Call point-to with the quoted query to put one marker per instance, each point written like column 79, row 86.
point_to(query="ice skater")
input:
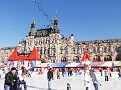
column 49, row 77
column 94, row 80
column 10, row 78
column 68, row 86
column 106, row 75
column 86, row 79
column 58, row 74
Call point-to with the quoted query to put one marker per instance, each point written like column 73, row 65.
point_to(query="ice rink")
column 39, row 82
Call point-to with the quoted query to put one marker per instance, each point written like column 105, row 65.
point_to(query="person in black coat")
column 10, row 78
column 49, row 77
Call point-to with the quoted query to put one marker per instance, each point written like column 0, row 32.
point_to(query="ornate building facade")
column 54, row 47
column 5, row 52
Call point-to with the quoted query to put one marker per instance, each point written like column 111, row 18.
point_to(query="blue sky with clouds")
column 86, row 19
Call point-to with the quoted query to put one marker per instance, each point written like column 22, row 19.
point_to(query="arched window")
column 48, row 51
column 76, row 59
column 94, row 50
column 39, row 42
column 77, row 51
column 118, row 57
column 53, row 50
column 45, row 50
column 37, row 48
column 35, row 42
column 63, row 59
column 97, row 58
column 109, row 49
column 82, row 50
column 61, row 50
column 98, row 49
column 30, row 42
column 47, row 41
column 108, row 58
column 41, row 51
column 74, row 51
column 105, row 49
column 65, row 50
column 28, row 50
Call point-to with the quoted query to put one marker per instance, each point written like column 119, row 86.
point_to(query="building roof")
column 14, row 55
column 85, row 56
column 32, row 56
column 43, row 32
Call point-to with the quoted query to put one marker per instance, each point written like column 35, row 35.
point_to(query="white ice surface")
column 39, row 82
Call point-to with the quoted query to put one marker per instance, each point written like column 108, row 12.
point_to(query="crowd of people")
column 89, row 76
column 14, row 80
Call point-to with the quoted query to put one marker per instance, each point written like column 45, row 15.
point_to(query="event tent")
column 110, row 64
column 2, row 65
column 86, row 56
column 32, row 56
column 20, row 60
column 118, row 64
column 96, row 64
column 60, row 64
column 14, row 55
column 44, row 65
column 73, row 64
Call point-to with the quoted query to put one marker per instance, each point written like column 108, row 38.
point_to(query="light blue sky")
column 86, row 19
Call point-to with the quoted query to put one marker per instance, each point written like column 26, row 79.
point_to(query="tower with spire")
column 55, row 26
column 32, row 28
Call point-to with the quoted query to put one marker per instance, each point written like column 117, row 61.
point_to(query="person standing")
column 86, row 79
column 94, row 80
column 63, row 70
column 119, row 72
column 10, row 78
column 49, row 77
column 0, row 73
column 58, row 74
column 106, row 75
column 22, row 80
column 100, row 69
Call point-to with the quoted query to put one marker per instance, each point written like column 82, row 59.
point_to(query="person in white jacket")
column 86, row 79
column 94, row 80
column 22, row 79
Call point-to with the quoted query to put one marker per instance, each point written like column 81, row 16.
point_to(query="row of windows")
column 39, row 42
column 97, row 58
column 93, row 50
column 74, row 51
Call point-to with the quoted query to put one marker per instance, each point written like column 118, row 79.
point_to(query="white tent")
column 44, row 65
column 74, row 64
column 109, row 63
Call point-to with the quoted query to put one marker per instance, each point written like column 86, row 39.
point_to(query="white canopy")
column 109, row 63
column 74, row 64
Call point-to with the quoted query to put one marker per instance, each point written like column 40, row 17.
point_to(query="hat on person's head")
column 13, row 68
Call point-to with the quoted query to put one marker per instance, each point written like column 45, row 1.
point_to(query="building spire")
column 55, row 25
column 32, row 28
column 56, row 20
column 33, row 23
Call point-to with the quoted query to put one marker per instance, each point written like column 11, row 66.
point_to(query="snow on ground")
column 39, row 82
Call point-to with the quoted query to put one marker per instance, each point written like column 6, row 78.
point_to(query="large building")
column 54, row 47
